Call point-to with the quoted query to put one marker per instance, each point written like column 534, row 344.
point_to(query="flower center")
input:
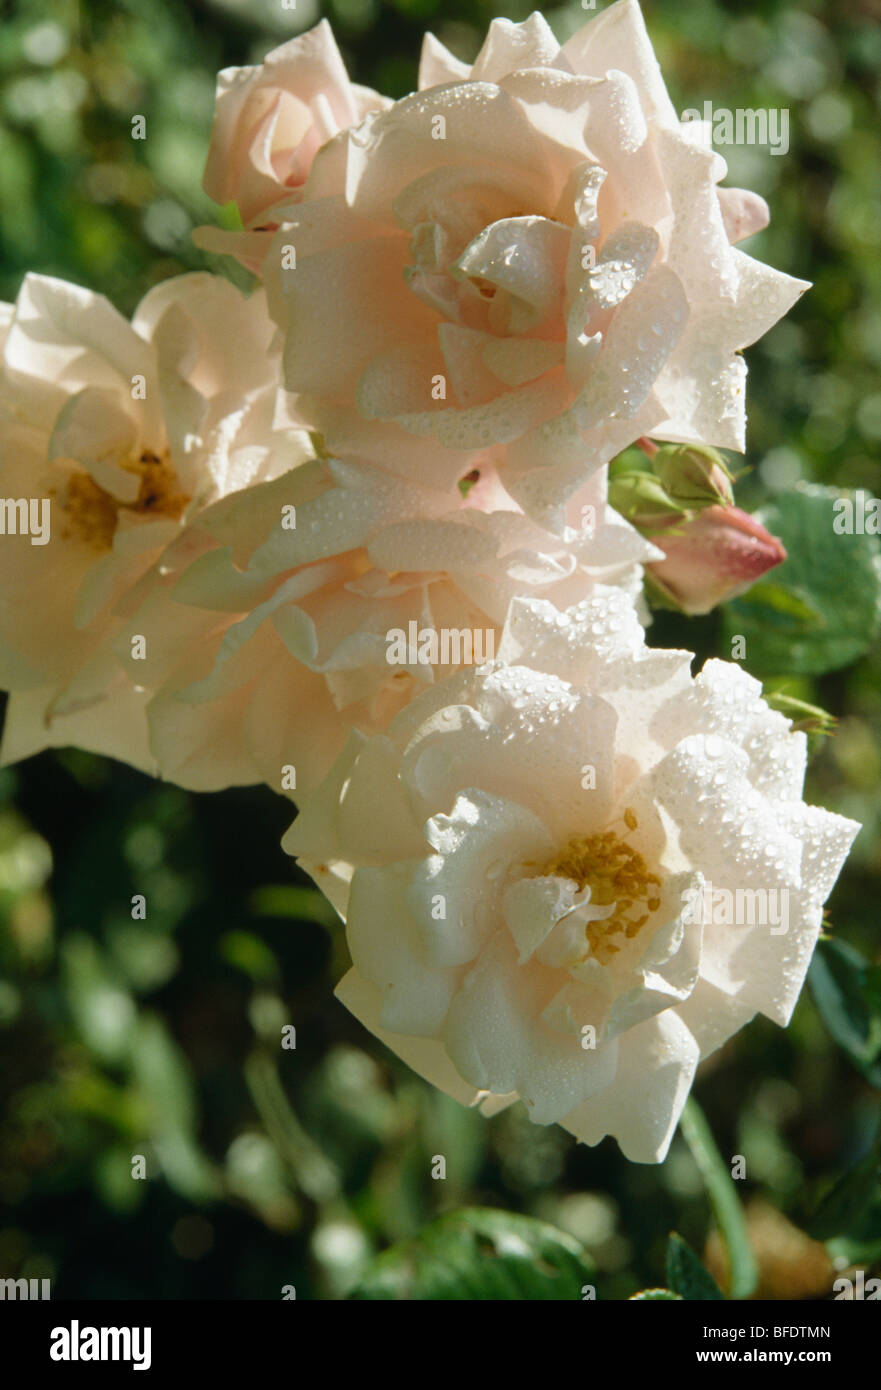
column 618, row 878
column 92, row 514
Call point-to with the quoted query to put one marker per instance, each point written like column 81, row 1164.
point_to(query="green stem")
column 743, row 1272
column 314, row 1173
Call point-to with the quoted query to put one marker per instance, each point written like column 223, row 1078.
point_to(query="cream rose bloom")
column 530, row 258
column 124, row 432
column 520, row 857
column 270, row 121
column 305, row 606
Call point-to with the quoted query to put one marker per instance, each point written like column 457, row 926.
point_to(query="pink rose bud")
column 714, row 556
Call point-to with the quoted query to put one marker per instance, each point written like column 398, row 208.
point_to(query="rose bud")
column 694, row 476
column 644, row 501
column 713, row 556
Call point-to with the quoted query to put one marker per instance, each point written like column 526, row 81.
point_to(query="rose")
column 124, row 432
column 530, row 260
column 523, row 916
column 296, row 603
column 270, row 121
column 591, row 52
column 712, row 556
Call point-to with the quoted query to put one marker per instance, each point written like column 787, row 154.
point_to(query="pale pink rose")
column 591, row 52
column 528, row 261
column 306, row 607
column 712, row 556
column 539, row 866
column 271, row 120
column 116, row 435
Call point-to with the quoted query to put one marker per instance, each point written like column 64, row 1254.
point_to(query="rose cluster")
column 354, row 535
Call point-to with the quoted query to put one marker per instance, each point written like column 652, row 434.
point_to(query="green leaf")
column 847, row 991
column 851, row 1209
column 165, row 1087
column 742, row 1270
column 823, row 606
column 292, row 900
column 478, row 1253
column 249, row 954
column 653, row 1295
column 102, row 1007
column 686, row 1274
column 790, row 608
column 813, row 719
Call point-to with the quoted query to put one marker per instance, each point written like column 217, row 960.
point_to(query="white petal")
column 427, row 1057
column 533, row 906
column 113, row 727
column 509, row 46
column 437, row 65
column 385, row 943
column 617, row 38
column 476, row 845
column 315, row 834
column 642, row 1105
column 726, row 828
column 826, row 839
column 497, row 1038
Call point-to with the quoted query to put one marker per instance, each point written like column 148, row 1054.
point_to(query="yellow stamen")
column 92, row 514
column 617, row 876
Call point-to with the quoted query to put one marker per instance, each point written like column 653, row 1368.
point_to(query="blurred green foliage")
column 269, row 1167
